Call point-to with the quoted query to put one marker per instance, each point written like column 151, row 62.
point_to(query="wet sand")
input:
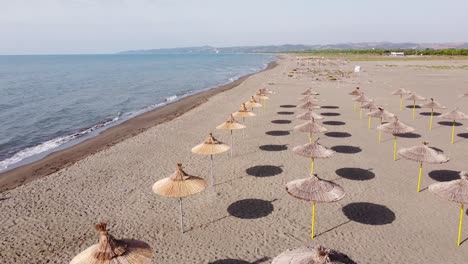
column 248, row 217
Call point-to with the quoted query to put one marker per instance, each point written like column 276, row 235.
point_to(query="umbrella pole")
column 211, row 170
column 453, row 131
column 232, row 143
column 243, row 130
column 310, row 137
column 461, row 224
column 181, row 215
column 432, row 117
column 312, row 232
column 312, row 166
column 394, row 147
column 419, row 176
column 414, row 109
column 401, row 102
column 369, row 122
column 360, row 112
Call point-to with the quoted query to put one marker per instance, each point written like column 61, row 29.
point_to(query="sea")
column 51, row 102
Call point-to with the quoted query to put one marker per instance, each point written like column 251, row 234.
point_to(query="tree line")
column 442, row 52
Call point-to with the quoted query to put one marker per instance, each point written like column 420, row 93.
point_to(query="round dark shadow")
column 463, row 135
column 409, row 135
column 448, row 123
column 330, row 107
column 369, row 213
column 264, row 171
column 429, row 114
column 277, row 133
column 356, row 174
column 412, row 106
column 273, row 147
column 287, row 106
column 444, row 175
column 250, row 208
column 346, row 149
column 334, row 123
column 330, row 114
column 285, row 113
column 281, row 121
column 337, row 134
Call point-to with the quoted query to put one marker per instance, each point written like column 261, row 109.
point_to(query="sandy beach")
column 248, row 217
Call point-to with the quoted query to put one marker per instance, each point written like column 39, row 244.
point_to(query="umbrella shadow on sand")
column 369, row 213
column 444, row 175
column 429, row 114
column 330, row 107
column 409, row 135
column 278, row 133
column 337, row 134
column 274, row 147
column 412, row 106
column 264, row 170
column 330, row 114
column 448, row 123
column 287, row 106
column 285, row 113
column 334, row 123
column 251, row 208
column 355, row 174
column 239, row 261
column 345, row 149
column 281, row 121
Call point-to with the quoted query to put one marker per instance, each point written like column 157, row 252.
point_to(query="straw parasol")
column 362, row 99
column 454, row 115
column 310, row 114
column 252, row 103
column 395, row 128
column 211, row 146
column 355, row 92
column 455, row 191
column 266, row 91
column 369, row 106
column 313, row 151
column 243, row 112
column 110, row 250
column 310, row 105
column 414, row 97
column 422, row 154
column 432, row 105
column 179, row 185
column 310, row 92
column 310, row 127
column 311, row 255
column 401, row 92
column 308, row 98
column 231, row 124
column 260, row 95
column 315, row 190
column 383, row 115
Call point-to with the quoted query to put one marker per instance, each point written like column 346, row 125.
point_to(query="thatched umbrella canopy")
column 432, row 104
column 231, row 124
column 454, row 115
column 401, row 92
column 355, row 92
column 395, row 128
column 369, row 106
column 260, row 95
column 243, row 112
column 313, row 151
column 414, row 97
column 308, row 98
column 310, row 114
column 179, row 185
column 310, row 92
column 382, row 114
column 252, row 103
column 422, row 154
column 362, row 99
column 312, row 255
column 110, row 250
column 211, row 146
column 315, row 190
column 310, row 127
column 266, row 91
column 455, row 191
column 310, row 105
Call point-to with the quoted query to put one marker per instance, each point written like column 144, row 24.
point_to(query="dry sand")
column 248, row 217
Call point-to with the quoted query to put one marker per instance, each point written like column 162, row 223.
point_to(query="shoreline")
column 59, row 160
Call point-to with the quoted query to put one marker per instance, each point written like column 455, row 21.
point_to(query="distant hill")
column 291, row 47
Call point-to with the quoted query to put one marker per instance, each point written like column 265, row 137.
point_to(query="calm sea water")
column 50, row 102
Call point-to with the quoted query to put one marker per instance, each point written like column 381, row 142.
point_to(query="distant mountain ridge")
column 300, row 47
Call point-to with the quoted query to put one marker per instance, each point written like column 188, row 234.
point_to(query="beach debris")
column 315, row 190
column 110, row 250
column 422, row 154
column 455, row 191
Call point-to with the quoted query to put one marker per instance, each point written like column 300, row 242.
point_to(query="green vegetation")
column 425, row 52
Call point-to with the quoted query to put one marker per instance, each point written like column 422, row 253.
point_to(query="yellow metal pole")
column 419, row 177
column 360, row 113
column 462, row 211
column 369, row 122
column 414, row 109
column 401, row 102
column 312, row 166
column 312, row 232
column 394, row 147
column 310, row 137
column 432, row 117
column 453, row 132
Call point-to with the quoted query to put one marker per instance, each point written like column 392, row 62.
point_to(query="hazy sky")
column 106, row 26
